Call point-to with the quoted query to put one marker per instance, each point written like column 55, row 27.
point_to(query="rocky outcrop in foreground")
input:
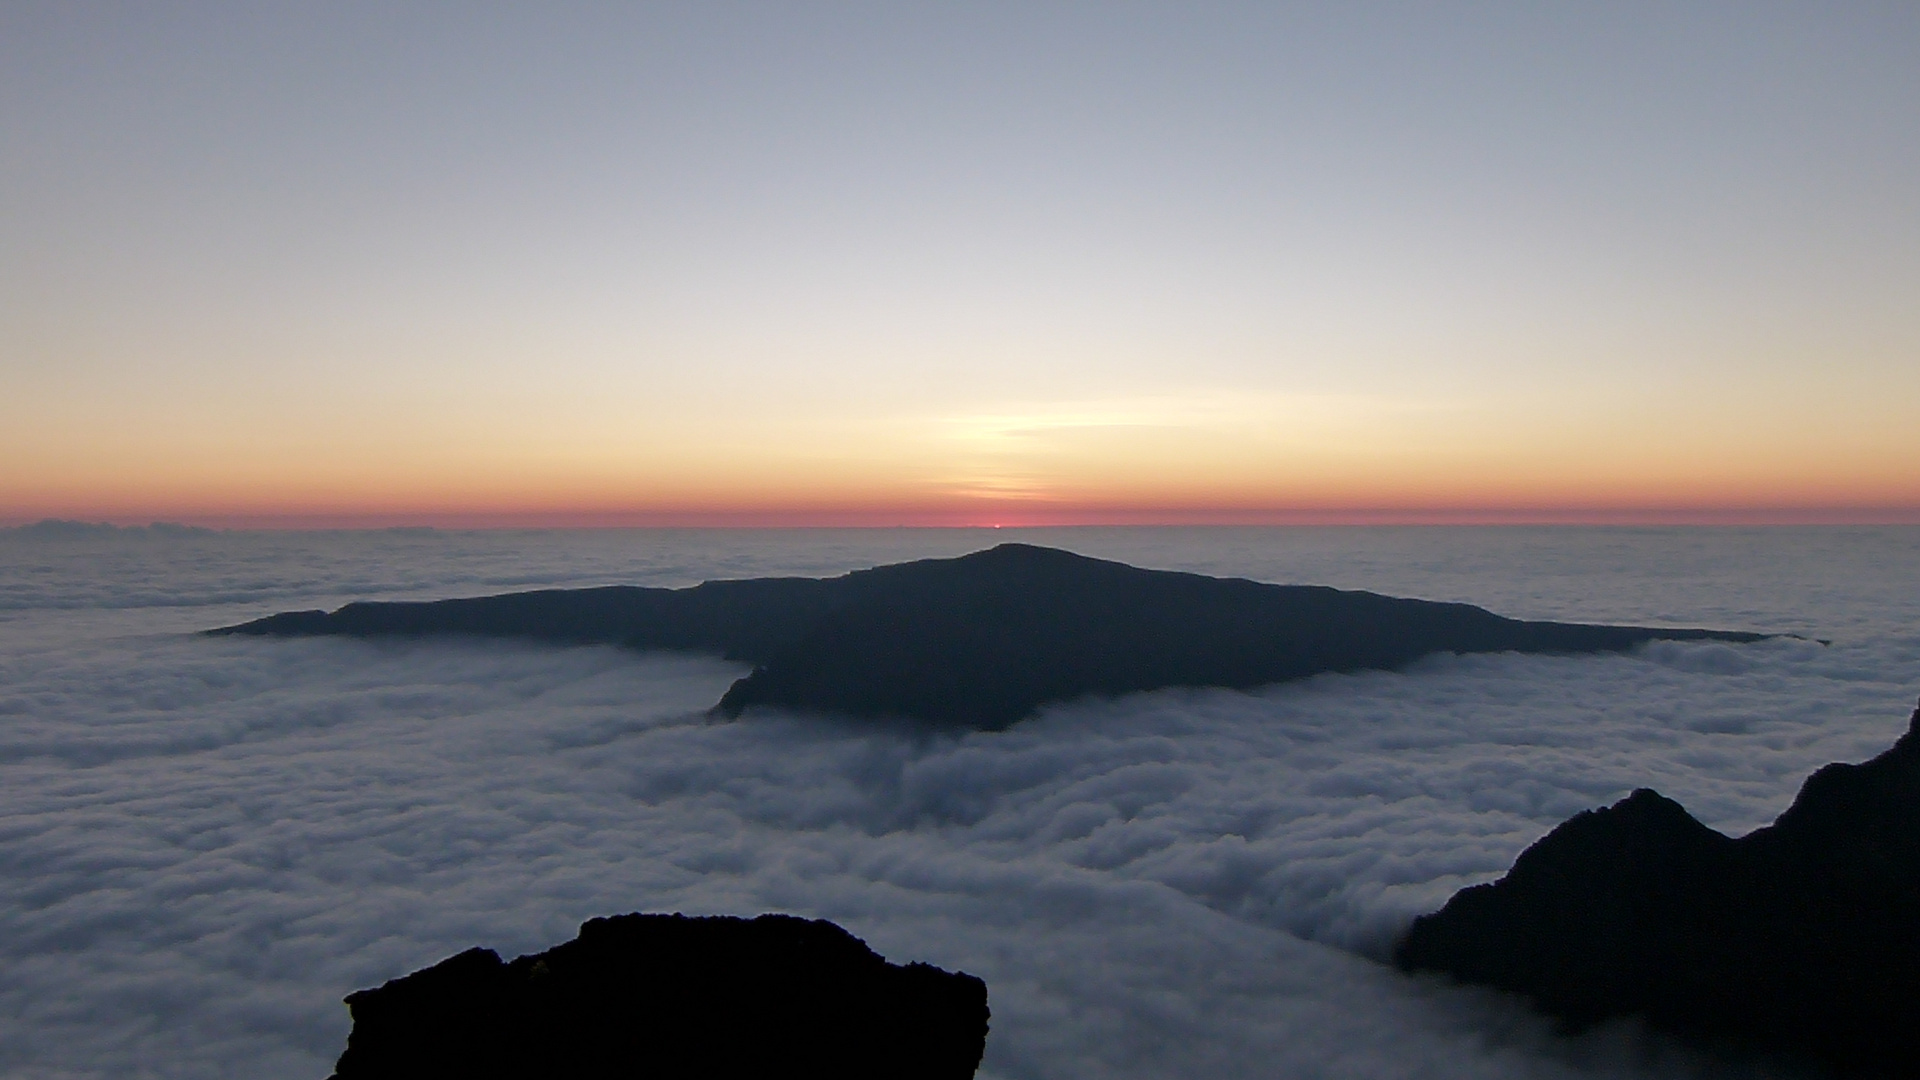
column 1801, row 939
column 673, row 998
column 985, row 639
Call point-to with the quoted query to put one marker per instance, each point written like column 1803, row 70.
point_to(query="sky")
column 303, row 264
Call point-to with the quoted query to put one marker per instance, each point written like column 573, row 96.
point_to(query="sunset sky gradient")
column 356, row 263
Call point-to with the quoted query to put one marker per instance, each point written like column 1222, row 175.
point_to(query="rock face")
column 985, row 639
column 672, row 997
column 1800, row 939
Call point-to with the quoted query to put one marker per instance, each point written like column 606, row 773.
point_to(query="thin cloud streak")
column 1032, row 451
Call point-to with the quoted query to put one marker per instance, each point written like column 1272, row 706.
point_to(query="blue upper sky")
column 956, row 262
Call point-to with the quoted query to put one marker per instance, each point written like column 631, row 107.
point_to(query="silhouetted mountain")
column 63, row 529
column 1800, row 939
column 673, row 998
column 984, row 639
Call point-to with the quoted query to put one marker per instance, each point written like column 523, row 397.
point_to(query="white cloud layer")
column 205, row 843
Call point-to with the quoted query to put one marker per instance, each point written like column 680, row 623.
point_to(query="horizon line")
column 1014, row 518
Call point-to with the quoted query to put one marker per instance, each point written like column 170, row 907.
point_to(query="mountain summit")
column 985, row 639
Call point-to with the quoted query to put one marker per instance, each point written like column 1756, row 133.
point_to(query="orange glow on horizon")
column 984, row 514
column 1086, row 469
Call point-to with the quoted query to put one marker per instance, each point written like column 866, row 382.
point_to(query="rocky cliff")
column 673, row 998
column 1801, row 939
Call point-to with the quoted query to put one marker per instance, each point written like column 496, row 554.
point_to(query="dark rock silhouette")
column 672, row 997
column 1800, row 939
column 62, row 529
column 984, row 639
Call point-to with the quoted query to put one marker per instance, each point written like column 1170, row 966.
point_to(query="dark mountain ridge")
column 676, row 998
column 1800, row 939
column 984, row 639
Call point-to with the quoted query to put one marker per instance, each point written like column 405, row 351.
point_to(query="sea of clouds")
column 206, row 842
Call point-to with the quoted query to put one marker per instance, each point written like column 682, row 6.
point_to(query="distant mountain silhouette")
column 63, row 529
column 1800, row 939
column 674, row 998
column 985, row 639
